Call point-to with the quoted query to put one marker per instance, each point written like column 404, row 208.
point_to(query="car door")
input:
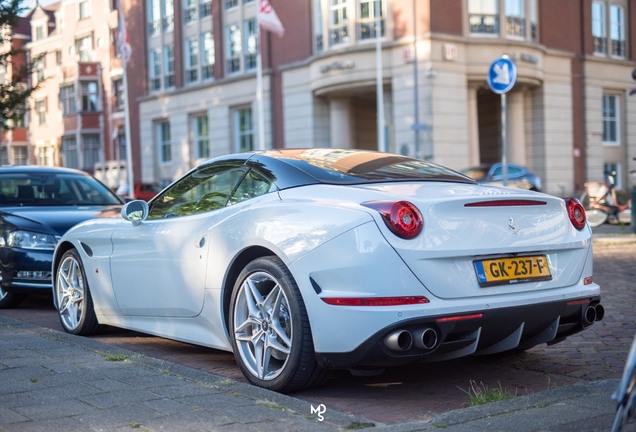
column 158, row 267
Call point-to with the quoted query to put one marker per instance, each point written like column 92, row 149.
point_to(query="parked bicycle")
column 625, row 395
column 601, row 204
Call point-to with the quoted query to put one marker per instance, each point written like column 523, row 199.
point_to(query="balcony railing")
column 618, row 48
column 167, row 23
column 516, row 26
column 250, row 61
column 205, row 9
column 207, row 72
column 600, row 44
column 338, row 35
column 484, row 24
column 233, row 65
column 154, row 27
column 367, row 29
column 192, row 75
column 190, row 14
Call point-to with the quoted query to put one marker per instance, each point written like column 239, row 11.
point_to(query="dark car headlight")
column 28, row 240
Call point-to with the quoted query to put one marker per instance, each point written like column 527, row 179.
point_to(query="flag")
column 267, row 18
column 123, row 39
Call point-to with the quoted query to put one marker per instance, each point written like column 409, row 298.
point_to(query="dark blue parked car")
column 37, row 206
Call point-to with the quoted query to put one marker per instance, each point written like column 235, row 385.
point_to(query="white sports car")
column 302, row 261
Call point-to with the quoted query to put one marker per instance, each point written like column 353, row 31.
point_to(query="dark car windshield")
column 340, row 166
column 53, row 189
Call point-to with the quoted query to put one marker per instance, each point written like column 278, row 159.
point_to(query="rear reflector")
column 459, row 318
column 579, row 302
column 506, row 203
column 587, row 280
column 375, row 301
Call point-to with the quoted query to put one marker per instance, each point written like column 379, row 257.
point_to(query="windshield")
column 341, row 166
column 53, row 189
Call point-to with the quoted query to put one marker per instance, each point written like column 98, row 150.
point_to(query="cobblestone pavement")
column 421, row 391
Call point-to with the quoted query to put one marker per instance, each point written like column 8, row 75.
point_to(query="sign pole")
column 379, row 84
column 504, row 143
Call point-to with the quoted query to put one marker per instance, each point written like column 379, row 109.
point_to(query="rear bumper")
column 486, row 331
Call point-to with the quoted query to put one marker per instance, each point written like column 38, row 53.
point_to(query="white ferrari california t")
column 301, row 261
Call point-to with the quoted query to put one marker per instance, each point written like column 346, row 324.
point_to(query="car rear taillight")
column 576, row 212
column 401, row 217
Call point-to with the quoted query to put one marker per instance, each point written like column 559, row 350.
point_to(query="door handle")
column 200, row 243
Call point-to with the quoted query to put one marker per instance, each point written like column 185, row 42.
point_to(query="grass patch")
column 115, row 357
column 33, row 380
column 135, row 425
column 226, row 382
column 359, row 425
column 440, row 425
column 270, row 404
column 481, row 394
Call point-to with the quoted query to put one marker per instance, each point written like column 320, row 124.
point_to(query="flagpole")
column 259, row 94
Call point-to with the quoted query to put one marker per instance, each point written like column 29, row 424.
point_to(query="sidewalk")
column 610, row 233
column 51, row 381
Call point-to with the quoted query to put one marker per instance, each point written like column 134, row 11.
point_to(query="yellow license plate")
column 504, row 271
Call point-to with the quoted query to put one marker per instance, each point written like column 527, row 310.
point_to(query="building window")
column 206, row 8
column 89, row 96
column 69, row 150
column 154, row 26
column 229, row 4
column 84, row 9
column 515, row 18
column 4, row 156
column 90, row 145
column 370, row 14
column 39, row 70
column 483, row 16
column 39, row 33
column 250, row 44
column 617, row 30
column 190, row 12
column 201, row 137
column 163, row 142
column 45, row 156
column 168, row 58
column 58, row 57
column 40, row 109
column 118, row 94
column 20, row 155
column 611, row 117
column 121, row 143
column 244, row 132
column 155, row 70
column 234, row 49
column 207, row 71
column 67, row 99
column 533, row 20
column 338, row 23
column 318, row 25
column 167, row 22
column 84, row 48
column 192, row 49
column 598, row 27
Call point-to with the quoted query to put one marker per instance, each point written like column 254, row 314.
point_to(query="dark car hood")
column 53, row 220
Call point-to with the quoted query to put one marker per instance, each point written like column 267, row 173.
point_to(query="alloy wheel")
column 70, row 290
column 263, row 326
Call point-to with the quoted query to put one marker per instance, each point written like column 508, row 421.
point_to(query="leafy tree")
column 14, row 92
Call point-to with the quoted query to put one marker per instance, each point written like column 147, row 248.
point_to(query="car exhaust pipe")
column 399, row 340
column 589, row 315
column 425, row 338
column 600, row 312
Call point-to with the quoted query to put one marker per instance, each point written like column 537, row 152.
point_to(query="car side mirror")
column 135, row 211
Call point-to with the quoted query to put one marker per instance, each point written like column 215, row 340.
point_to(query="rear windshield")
column 53, row 189
column 343, row 167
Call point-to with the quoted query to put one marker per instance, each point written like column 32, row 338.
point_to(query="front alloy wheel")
column 271, row 336
column 73, row 298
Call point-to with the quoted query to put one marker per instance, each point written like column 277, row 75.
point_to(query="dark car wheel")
column 270, row 331
column 73, row 297
column 10, row 300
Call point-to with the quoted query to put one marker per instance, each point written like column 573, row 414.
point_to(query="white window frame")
column 70, row 150
column 164, row 144
column 168, row 67
column 617, row 30
column 89, row 96
column 616, row 119
column 519, row 14
column 22, row 158
column 340, row 28
column 84, row 9
column 192, row 60
column 90, row 150
column 234, row 48
column 201, row 141
column 599, row 27
column 84, row 48
column 155, row 66
column 250, row 44
column 207, row 56
column 371, row 20
column 479, row 10
column 618, row 167
column 40, row 109
column 248, row 133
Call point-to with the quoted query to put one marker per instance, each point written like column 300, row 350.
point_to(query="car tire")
column 270, row 331
column 73, row 297
column 10, row 300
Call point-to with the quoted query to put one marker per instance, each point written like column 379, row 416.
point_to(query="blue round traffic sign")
column 502, row 75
